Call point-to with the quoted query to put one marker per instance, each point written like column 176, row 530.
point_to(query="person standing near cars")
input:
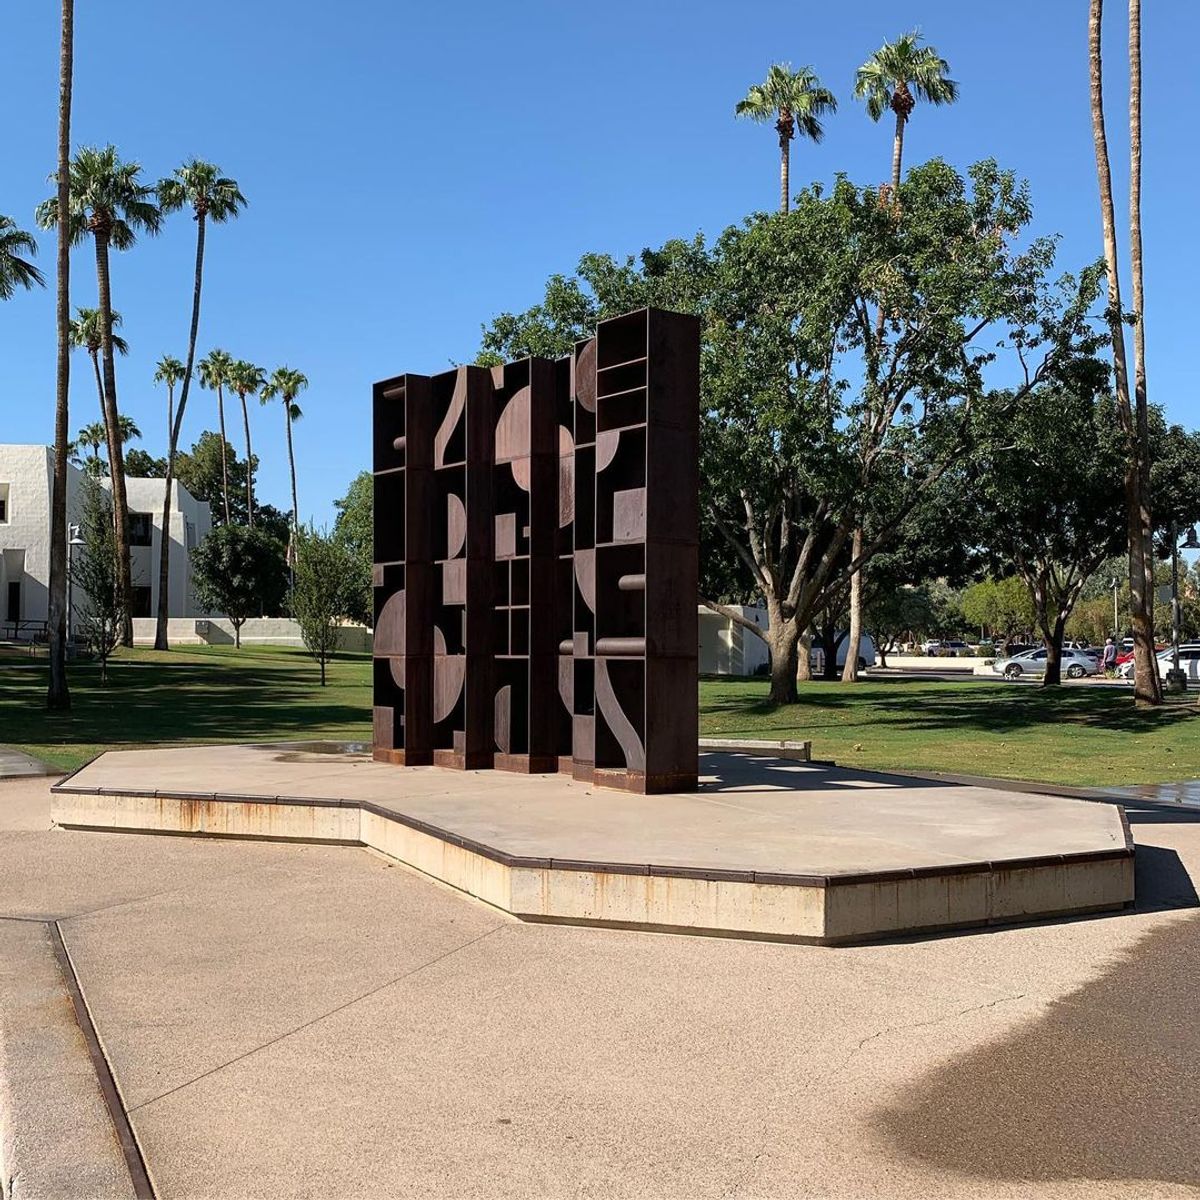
column 1109, row 659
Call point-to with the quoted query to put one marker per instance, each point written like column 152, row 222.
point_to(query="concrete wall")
column 191, row 521
column 258, row 631
column 26, row 474
column 728, row 649
column 25, row 535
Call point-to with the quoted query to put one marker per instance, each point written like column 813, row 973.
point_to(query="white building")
column 26, row 480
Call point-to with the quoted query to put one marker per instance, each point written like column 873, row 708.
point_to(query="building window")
column 140, row 602
column 140, row 527
column 14, row 600
column 189, row 535
column 4, row 503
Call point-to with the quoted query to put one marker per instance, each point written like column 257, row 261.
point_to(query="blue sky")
column 414, row 168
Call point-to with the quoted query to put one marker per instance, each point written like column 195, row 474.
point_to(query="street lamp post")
column 1176, row 679
column 73, row 540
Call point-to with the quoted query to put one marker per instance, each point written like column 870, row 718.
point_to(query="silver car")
column 1075, row 664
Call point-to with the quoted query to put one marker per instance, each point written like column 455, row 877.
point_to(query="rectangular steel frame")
column 537, row 562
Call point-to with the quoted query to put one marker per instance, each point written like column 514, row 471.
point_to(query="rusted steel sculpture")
column 536, row 561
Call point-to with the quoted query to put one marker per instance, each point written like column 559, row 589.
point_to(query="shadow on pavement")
column 1103, row 1086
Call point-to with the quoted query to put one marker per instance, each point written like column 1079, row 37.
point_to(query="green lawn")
column 1080, row 735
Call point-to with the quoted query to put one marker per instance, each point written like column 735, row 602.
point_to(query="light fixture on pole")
column 73, row 540
column 1176, row 679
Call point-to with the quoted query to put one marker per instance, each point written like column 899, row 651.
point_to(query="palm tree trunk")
column 292, row 466
column 249, row 464
column 95, row 357
column 1147, row 688
column 224, row 452
column 897, row 155
column 58, row 696
column 854, row 638
column 161, row 641
column 785, row 154
column 116, row 454
column 1141, row 409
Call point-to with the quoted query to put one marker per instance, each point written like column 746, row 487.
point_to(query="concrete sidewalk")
column 316, row 1021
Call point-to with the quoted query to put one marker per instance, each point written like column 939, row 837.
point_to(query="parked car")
column 1189, row 662
column 1075, row 664
column 940, row 649
column 866, row 654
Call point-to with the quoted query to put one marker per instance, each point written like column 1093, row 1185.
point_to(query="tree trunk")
column 224, row 452
column 782, row 638
column 1141, row 409
column 237, row 634
column 897, row 156
column 854, row 638
column 249, row 463
column 58, row 696
column 804, row 659
column 94, row 355
column 785, row 153
column 830, row 643
column 287, row 408
column 1052, row 639
column 174, row 426
column 116, row 454
column 1146, row 686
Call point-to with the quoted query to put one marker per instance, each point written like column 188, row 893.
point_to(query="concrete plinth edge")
column 829, row 909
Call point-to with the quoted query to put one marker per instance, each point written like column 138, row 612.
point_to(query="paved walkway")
column 316, row 1021
column 16, row 763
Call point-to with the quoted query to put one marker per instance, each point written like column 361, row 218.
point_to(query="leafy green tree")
column 813, row 419
column 16, row 249
column 1048, row 506
column 233, row 568
column 95, row 576
column 321, row 592
column 1001, row 607
column 214, row 375
column 109, row 201
column 286, row 384
column 894, row 78
column 85, row 335
column 354, row 531
column 246, row 380
column 895, row 613
column 141, row 464
column 791, row 100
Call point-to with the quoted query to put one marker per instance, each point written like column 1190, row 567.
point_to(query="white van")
column 866, row 653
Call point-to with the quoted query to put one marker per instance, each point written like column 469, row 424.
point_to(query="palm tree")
column 214, row 375
column 286, row 384
column 95, row 435
column 246, row 379
column 169, row 371
column 212, row 196
column 15, row 270
column 793, row 100
column 108, row 200
column 85, row 335
column 58, row 695
column 895, row 77
column 92, row 437
column 1147, row 686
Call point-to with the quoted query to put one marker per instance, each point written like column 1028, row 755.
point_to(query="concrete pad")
column 878, row 854
column 56, row 1137
column 540, row 1060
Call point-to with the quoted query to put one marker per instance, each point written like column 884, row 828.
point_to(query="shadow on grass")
column 223, row 699
column 919, row 706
